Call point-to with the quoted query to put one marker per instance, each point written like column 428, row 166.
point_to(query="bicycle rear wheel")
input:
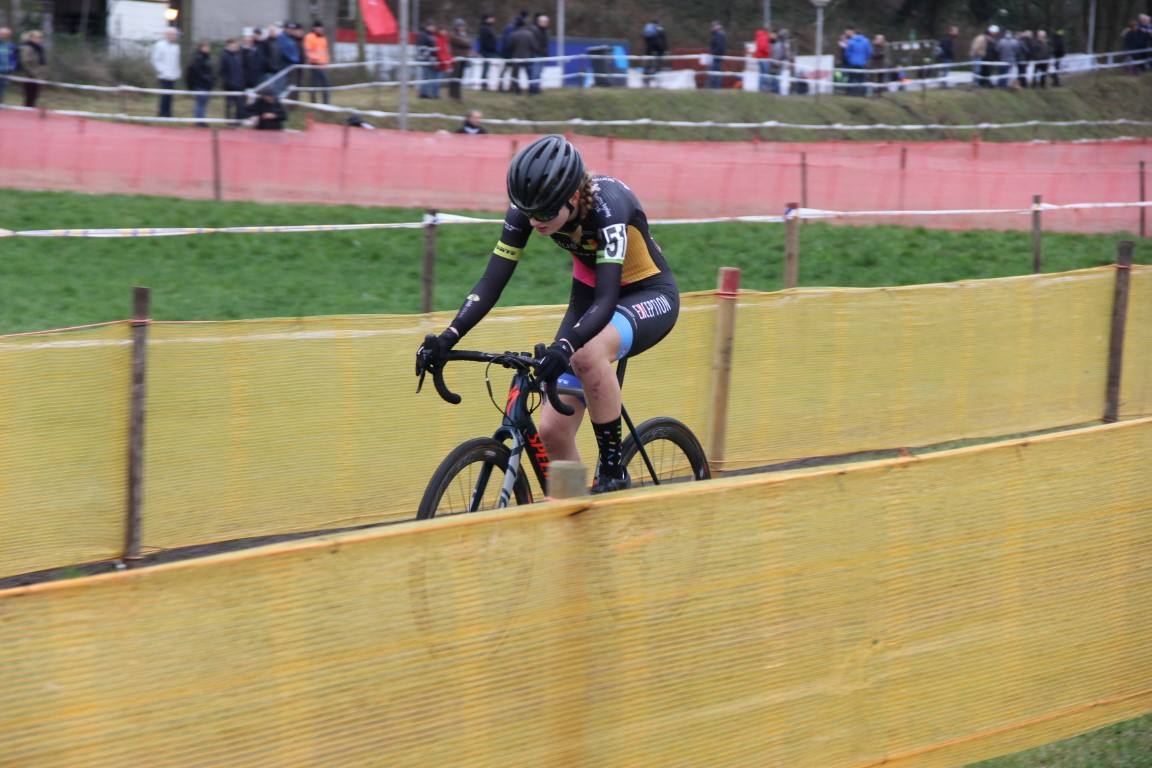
column 470, row 479
column 676, row 454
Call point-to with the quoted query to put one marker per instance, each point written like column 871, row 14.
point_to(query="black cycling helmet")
column 544, row 175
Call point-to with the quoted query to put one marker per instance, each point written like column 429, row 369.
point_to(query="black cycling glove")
column 434, row 351
column 555, row 361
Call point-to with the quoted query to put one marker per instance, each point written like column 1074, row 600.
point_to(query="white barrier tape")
column 449, row 218
column 645, row 121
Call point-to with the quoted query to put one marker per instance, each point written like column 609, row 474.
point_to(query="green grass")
column 1088, row 97
column 53, row 282
column 1121, row 745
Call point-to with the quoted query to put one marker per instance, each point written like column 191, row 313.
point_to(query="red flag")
column 377, row 18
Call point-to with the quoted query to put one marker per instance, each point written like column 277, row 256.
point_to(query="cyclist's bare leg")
column 592, row 364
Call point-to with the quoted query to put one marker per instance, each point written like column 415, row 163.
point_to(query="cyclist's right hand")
column 433, row 352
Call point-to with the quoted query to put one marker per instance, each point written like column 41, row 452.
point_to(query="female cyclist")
column 624, row 298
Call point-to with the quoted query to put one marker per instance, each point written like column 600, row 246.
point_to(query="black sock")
column 608, row 440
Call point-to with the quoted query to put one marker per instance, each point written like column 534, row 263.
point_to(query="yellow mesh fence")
column 914, row 612
column 275, row 426
column 829, row 372
column 64, row 403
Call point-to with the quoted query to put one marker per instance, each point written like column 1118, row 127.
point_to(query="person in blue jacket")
column 857, row 56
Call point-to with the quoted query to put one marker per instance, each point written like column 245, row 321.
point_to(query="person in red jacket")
column 763, row 55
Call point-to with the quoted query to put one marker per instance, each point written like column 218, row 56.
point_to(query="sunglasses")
column 545, row 217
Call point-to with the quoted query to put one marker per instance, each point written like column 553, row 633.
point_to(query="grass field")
column 55, row 282
column 1083, row 97
column 47, row 283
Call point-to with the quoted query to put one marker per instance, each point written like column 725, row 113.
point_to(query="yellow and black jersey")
column 614, row 230
column 614, row 258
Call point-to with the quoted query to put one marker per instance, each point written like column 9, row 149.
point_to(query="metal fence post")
column 791, row 246
column 1119, row 324
column 428, row 279
column 1037, row 235
column 727, row 291
column 141, row 310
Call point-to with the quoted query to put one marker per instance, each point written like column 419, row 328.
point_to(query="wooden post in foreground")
column 428, row 278
column 792, row 246
column 1116, row 338
column 141, row 301
column 567, row 479
column 1037, row 235
column 727, row 291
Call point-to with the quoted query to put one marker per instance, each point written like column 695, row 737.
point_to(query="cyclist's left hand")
column 434, row 350
column 555, row 361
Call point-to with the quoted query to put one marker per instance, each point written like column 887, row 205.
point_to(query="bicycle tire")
column 676, row 454
column 456, row 477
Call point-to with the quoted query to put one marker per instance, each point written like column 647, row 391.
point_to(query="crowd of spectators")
column 261, row 62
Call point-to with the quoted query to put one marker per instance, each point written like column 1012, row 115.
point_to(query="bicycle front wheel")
column 676, row 454
column 470, row 479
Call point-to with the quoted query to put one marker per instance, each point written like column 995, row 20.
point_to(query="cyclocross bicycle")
column 489, row 472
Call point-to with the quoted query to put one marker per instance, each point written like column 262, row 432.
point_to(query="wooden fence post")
column 727, row 291
column 217, row 181
column 804, row 179
column 791, row 246
column 1116, row 337
column 1143, row 199
column 141, row 310
column 428, row 278
column 1037, row 235
column 567, row 479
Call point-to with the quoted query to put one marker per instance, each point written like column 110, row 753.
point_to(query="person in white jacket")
column 166, row 63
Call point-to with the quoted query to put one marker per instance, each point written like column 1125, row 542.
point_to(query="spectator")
column 718, row 47
column 488, row 46
column 540, row 51
column 273, row 57
column 990, row 60
column 1008, row 51
column 857, row 57
column 655, row 46
column 762, row 52
column 460, row 45
column 521, row 45
column 1146, row 27
column 472, row 124
column 946, row 55
column 1134, row 44
column 443, row 55
column 506, row 46
column 1026, row 55
column 33, row 63
column 1043, row 53
column 201, row 78
column 252, row 55
column 266, row 113
column 782, row 57
column 316, row 54
column 9, row 59
column 881, row 60
column 1057, row 56
column 292, row 51
column 166, row 64
column 232, row 78
column 426, row 55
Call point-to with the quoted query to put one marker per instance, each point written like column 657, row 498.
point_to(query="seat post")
column 621, row 367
